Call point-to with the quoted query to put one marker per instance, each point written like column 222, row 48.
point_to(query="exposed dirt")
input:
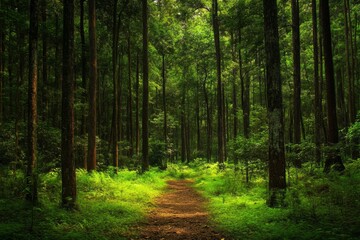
column 179, row 214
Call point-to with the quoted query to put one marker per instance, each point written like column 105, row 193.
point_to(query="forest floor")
column 180, row 213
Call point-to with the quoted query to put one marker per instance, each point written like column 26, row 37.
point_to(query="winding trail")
column 179, row 214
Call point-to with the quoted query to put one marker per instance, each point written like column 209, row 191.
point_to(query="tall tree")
column 145, row 108
column 45, row 100
column 84, row 75
column 296, row 74
column 349, row 61
column 67, row 125
column 32, row 102
column 220, row 105
column 333, row 135
column 277, row 180
column 318, row 107
column 114, row 132
column 92, row 88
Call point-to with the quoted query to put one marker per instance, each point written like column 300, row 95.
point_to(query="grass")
column 318, row 206
column 108, row 206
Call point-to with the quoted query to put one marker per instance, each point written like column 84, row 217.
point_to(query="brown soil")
column 179, row 214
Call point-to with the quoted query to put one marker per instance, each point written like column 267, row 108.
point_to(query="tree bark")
column 220, row 105
column 130, row 108
column 67, row 127
column 349, row 62
column 92, row 88
column 317, row 105
column 277, row 180
column 297, row 80
column 137, row 125
column 115, row 148
column 333, row 137
column 31, row 195
column 84, row 80
column 45, row 100
column 145, row 108
column 164, row 105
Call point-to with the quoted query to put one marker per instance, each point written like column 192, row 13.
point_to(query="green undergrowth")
column 109, row 205
column 318, row 206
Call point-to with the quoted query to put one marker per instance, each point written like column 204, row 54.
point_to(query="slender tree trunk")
column 58, row 76
column 92, row 88
column 234, row 92
column 130, row 111
column 115, row 148
column 31, row 195
column 137, row 125
column 45, row 100
column 349, row 64
column 208, row 121
column 318, row 108
column 297, row 81
column 164, row 105
column 67, row 127
column 221, row 133
column 333, row 137
column 84, row 80
column 277, row 181
column 145, row 109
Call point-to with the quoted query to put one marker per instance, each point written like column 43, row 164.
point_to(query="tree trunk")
column 164, row 106
column 45, row 101
column 208, row 121
column 277, row 180
column 349, row 63
column 92, row 88
column 297, row 82
column 31, row 195
column 318, row 108
column 221, row 124
column 137, row 125
column 130, row 108
column 145, row 109
column 83, row 77
column 67, row 127
column 333, row 137
column 234, row 92
column 115, row 148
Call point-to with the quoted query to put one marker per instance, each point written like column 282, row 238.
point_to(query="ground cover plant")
column 108, row 205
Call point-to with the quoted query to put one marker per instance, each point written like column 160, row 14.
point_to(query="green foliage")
column 108, row 205
column 318, row 206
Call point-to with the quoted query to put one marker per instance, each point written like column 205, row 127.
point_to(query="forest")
column 179, row 119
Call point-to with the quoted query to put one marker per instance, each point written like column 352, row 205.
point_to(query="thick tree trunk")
column 297, row 82
column 318, row 108
column 333, row 137
column 92, row 88
column 277, row 180
column 145, row 108
column 31, row 195
column 67, row 127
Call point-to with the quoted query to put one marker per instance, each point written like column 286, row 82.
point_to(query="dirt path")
column 180, row 214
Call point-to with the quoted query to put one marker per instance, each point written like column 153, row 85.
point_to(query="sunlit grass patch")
column 109, row 205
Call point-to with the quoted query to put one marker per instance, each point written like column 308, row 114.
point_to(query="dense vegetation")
column 101, row 102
